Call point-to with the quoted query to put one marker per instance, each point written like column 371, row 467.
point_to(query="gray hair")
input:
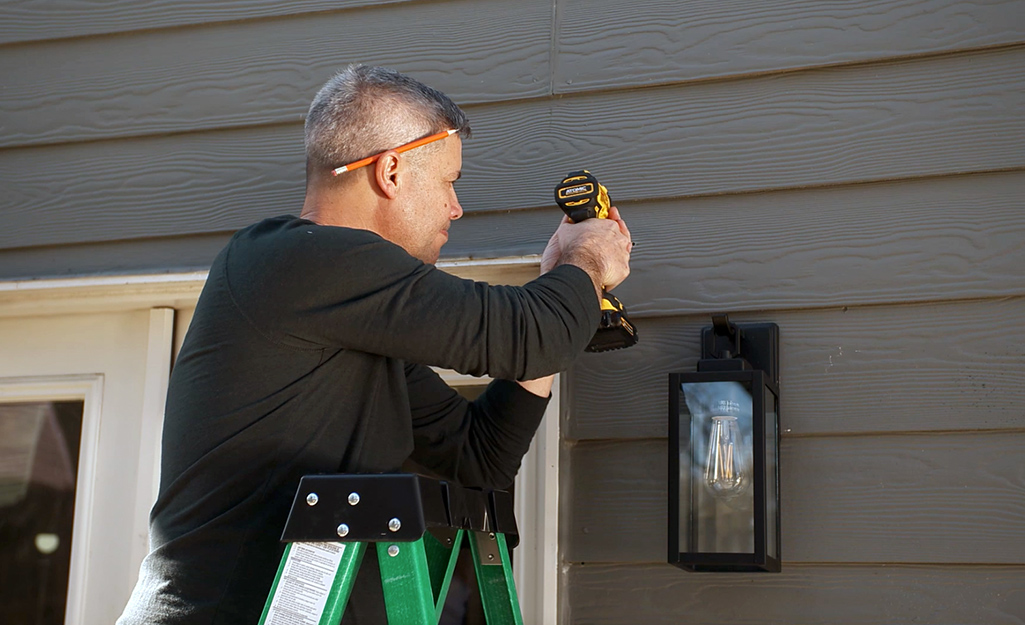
column 363, row 110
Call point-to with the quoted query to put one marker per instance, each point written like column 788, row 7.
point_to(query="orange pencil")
column 402, row 148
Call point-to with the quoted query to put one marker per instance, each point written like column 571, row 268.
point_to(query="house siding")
column 853, row 172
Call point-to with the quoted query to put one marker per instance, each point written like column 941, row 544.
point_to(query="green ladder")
column 418, row 525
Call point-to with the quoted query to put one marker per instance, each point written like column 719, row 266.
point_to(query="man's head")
column 406, row 198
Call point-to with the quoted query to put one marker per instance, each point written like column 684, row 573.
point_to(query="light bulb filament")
column 725, row 471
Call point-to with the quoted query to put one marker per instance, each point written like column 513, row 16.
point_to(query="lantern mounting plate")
column 730, row 346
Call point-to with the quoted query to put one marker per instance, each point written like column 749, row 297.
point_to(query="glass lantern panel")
column 716, row 494
column 771, row 471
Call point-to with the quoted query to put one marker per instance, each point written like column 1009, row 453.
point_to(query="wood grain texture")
column 927, row 117
column 927, row 367
column 265, row 71
column 611, row 44
column 934, row 116
column 933, row 239
column 151, row 187
column 658, row 594
column 921, row 498
column 33, row 20
column 914, row 240
column 134, row 256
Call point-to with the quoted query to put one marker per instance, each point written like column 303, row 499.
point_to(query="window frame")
column 88, row 389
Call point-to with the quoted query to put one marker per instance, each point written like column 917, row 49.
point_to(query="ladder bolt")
column 312, row 499
column 394, row 525
column 343, row 530
column 353, row 499
column 393, row 550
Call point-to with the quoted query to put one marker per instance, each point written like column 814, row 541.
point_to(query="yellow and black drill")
column 581, row 197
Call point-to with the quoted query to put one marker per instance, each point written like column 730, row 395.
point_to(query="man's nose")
column 457, row 210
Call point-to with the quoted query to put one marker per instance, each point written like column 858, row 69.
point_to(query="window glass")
column 39, row 447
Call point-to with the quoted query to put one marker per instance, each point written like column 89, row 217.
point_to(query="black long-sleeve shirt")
column 307, row 354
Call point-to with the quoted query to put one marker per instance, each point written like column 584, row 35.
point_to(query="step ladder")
column 417, row 524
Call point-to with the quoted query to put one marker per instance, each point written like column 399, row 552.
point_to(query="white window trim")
column 89, row 389
column 159, row 346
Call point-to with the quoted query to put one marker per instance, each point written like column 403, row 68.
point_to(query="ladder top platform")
column 394, row 507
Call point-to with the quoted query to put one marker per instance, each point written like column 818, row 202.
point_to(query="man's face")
column 429, row 202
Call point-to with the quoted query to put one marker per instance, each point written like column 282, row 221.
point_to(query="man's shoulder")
column 279, row 238
column 290, row 252
column 288, row 229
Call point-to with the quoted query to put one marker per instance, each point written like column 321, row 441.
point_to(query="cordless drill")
column 581, row 197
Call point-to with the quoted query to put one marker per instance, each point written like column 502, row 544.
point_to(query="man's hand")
column 601, row 247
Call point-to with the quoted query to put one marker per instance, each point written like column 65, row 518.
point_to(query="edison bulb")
column 727, row 470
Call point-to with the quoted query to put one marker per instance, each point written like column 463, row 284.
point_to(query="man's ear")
column 386, row 173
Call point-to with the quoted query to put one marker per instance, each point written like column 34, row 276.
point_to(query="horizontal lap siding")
column 609, row 44
column 773, row 165
column 658, row 594
column 908, row 498
column 262, row 72
column 33, row 20
column 922, row 240
column 924, row 117
column 152, row 186
column 947, row 238
column 152, row 255
column 821, row 127
column 929, row 367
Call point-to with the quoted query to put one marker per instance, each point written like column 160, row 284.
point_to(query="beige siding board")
column 953, row 114
column 942, row 115
column 157, row 255
column 956, row 236
column 921, row 240
column 922, row 498
column 929, row 367
column 668, row 41
column 953, row 237
column 265, row 71
column 48, row 19
column 658, row 594
column 150, row 187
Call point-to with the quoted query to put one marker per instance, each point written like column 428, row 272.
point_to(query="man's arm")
column 542, row 387
column 479, row 443
column 316, row 287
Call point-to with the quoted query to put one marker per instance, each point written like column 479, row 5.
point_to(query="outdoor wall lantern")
column 724, row 452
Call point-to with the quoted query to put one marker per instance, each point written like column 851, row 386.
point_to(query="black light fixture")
column 724, row 452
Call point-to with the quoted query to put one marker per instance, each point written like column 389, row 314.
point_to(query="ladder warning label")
column 305, row 584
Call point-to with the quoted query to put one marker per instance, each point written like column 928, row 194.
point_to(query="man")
column 309, row 348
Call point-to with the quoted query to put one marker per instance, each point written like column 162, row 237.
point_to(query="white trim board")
column 91, row 294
